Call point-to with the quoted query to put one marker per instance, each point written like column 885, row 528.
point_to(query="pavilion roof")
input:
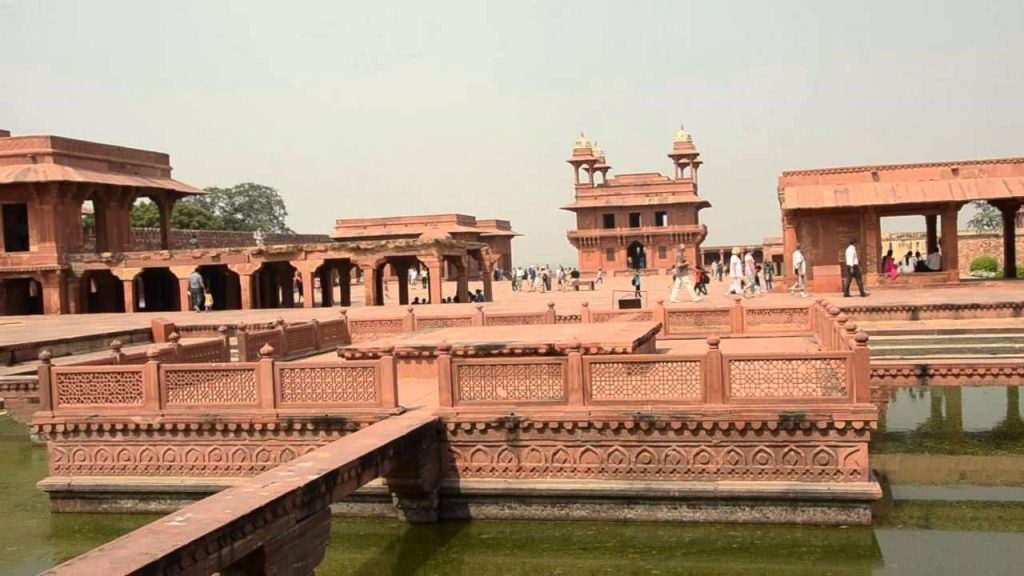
column 31, row 173
column 907, row 184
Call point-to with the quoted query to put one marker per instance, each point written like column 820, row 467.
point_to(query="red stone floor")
column 21, row 329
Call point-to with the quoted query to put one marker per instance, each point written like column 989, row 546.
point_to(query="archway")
column 275, row 285
column 224, row 285
column 100, row 291
column 636, row 256
column 21, row 296
column 157, row 291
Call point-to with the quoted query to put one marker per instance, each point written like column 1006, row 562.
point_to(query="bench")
column 578, row 285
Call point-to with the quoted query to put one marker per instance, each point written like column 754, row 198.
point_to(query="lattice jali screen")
column 444, row 322
column 510, row 382
column 340, row 384
column 656, row 380
column 699, row 322
column 516, row 319
column 332, row 333
column 568, row 319
column 202, row 352
column 195, row 386
column 366, row 330
column 622, row 316
column 767, row 319
column 98, row 387
column 788, row 378
column 255, row 340
column 301, row 338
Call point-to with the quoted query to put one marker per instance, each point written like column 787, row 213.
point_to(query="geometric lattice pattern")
column 776, row 318
column 699, row 321
column 255, row 340
column 788, row 378
column 510, row 382
column 675, row 380
column 622, row 316
column 452, row 322
column 516, row 319
column 85, row 388
column 366, row 330
column 300, row 338
column 210, row 386
column 332, row 332
column 202, row 353
column 356, row 384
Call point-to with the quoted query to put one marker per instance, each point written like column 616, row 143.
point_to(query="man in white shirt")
column 853, row 270
column 800, row 271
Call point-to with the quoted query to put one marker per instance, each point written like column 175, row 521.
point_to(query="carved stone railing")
column 291, row 341
column 279, row 521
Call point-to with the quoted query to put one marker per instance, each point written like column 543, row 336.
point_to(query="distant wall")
column 149, row 239
column 971, row 245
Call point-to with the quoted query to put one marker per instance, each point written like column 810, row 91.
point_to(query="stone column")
column 789, row 242
column 52, row 290
column 74, row 293
column 1009, row 213
column 127, row 277
column 182, row 273
column 462, row 279
column 308, row 291
column 326, row 276
column 345, row 281
column 166, row 207
column 950, row 241
column 872, row 248
column 435, row 267
column 370, row 272
column 931, row 241
column 402, row 271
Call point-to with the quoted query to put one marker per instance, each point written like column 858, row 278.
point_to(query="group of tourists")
column 543, row 279
column 747, row 277
column 910, row 263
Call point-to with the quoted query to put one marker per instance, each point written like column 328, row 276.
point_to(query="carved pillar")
column 165, row 204
column 931, row 242
column 127, row 277
column 872, row 248
column 435, row 267
column 345, row 281
column 1009, row 211
column 182, row 273
column 326, row 275
column 789, row 242
column 372, row 271
column 53, row 292
column 462, row 278
column 286, row 283
column 950, row 241
column 73, row 291
column 306, row 270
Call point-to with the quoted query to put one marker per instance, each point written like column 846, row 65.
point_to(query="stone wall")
column 149, row 239
column 971, row 244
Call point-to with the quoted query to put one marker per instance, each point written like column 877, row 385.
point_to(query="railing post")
column 409, row 323
column 265, row 378
column 175, row 340
column 45, row 381
column 736, row 315
column 346, row 334
column 550, row 317
column 585, row 316
column 841, row 321
column 714, row 376
column 444, row 374
column 661, row 315
column 316, row 333
column 574, row 395
column 153, row 397
column 115, row 351
column 478, row 318
column 833, row 323
column 861, row 369
column 849, row 338
column 388, row 378
column 225, row 341
column 241, row 341
column 282, row 352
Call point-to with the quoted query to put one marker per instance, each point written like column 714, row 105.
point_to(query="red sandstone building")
column 635, row 221
column 823, row 209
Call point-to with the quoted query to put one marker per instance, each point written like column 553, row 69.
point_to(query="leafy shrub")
column 984, row 264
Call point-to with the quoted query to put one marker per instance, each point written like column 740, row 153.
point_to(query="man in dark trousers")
column 853, row 270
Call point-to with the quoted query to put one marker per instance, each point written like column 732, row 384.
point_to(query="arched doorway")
column 157, row 291
column 100, row 291
column 224, row 285
column 21, row 296
column 275, row 285
column 636, row 256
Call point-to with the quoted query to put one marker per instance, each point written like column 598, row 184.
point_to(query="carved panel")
column 669, row 380
column 301, row 338
column 568, row 319
column 209, row 386
column 515, row 319
column 367, row 330
column 444, row 322
column 332, row 333
column 788, row 378
column 309, row 385
column 769, row 319
column 622, row 316
column 202, row 352
column 98, row 387
column 256, row 340
column 506, row 382
column 699, row 322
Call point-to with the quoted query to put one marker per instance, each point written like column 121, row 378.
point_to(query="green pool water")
column 929, row 527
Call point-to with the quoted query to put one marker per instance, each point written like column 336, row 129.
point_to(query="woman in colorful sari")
column 889, row 266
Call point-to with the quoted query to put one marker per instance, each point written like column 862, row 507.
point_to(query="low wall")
column 149, row 239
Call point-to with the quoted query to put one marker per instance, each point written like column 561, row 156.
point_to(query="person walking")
column 800, row 272
column 853, row 270
column 196, row 290
column 750, row 273
column 735, row 273
column 636, row 283
column 600, row 278
column 769, row 275
column 681, row 277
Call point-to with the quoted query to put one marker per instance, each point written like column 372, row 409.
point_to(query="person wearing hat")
column 735, row 272
column 681, row 277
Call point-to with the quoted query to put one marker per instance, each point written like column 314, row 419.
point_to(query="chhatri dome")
column 581, row 142
column 682, row 136
column 598, row 153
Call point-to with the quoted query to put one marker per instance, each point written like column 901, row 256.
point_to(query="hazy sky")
column 356, row 109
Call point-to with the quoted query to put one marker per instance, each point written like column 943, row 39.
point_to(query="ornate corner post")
column 242, row 342
column 585, row 314
column 266, row 378
column 736, row 315
column 849, row 336
column 115, row 352
column 346, row 332
column 479, row 319
column 714, row 374
column 574, row 384
column 661, row 315
column 834, row 336
column 153, row 395
column 175, row 340
column 45, row 385
column 861, row 368
column 225, row 340
column 388, row 378
column 282, row 338
column 444, row 375
column 549, row 317
column 409, row 322
column 840, row 329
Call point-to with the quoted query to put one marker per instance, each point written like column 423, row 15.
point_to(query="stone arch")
column 100, row 291
column 21, row 296
column 636, row 255
column 224, row 285
column 157, row 291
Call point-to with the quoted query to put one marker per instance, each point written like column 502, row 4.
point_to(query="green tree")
column 986, row 217
column 246, row 207
column 187, row 215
